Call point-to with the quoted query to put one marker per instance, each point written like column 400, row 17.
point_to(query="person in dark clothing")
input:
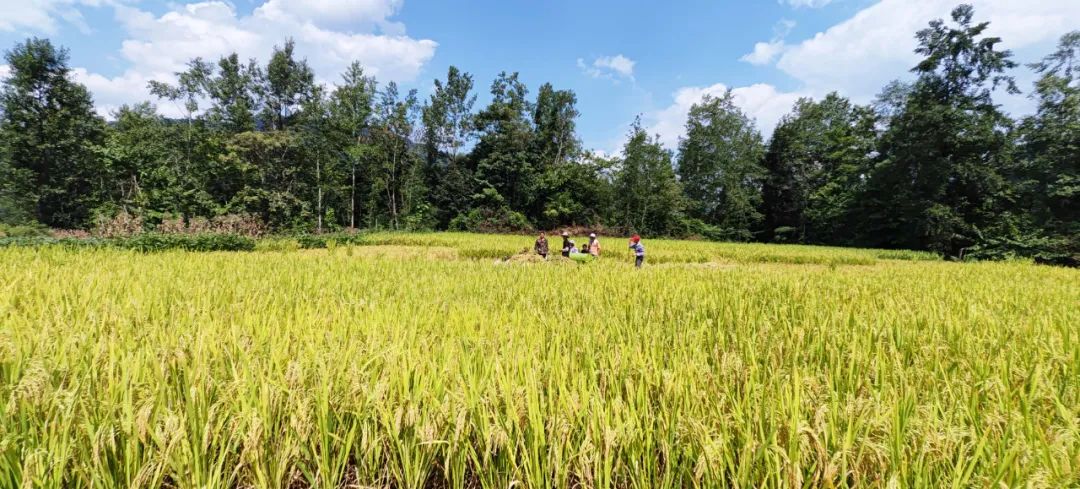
column 541, row 245
column 566, row 244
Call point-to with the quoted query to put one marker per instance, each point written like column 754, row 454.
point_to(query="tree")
column 505, row 167
column 649, row 199
column 233, row 94
column 938, row 184
column 350, row 127
column 448, row 125
column 560, row 196
column 1047, row 174
column 447, row 117
column 720, row 167
column 318, row 145
column 816, row 165
column 578, row 192
column 397, row 174
column 53, row 172
column 286, row 85
column 554, row 119
column 136, row 156
column 274, row 187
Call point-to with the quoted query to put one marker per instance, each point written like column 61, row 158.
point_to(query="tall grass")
column 378, row 369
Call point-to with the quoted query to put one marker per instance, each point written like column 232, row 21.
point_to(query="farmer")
column 573, row 248
column 594, row 245
column 566, row 244
column 639, row 250
column 541, row 245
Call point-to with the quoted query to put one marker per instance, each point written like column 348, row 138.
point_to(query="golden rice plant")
column 408, row 363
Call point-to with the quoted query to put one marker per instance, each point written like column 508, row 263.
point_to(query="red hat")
column 635, row 238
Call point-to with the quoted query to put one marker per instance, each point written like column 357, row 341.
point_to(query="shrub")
column 311, row 241
column 69, row 234
column 121, row 225
column 690, row 227
column 236, row 224
column 248, row 225
column 1032, row 246
column 38, row 241
column 23, row 230
column 785, row 234
column 491, row 221
column 172, row 225
column 154, row 242
column 219, row 242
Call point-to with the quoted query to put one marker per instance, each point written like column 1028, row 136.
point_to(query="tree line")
column 932, row 164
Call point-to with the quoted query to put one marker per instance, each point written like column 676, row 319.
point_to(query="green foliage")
column 287, row 84
column 149, row 242
column 816, row 162
column 52, row 172
column 503, row 158
column 447, row 127
column 720, row 167
column 649, row 200
column 320, row 241
column 398, row 174
column 1046, row 179
column 485, row 220
column 934, row 165
column 939, row 180
column 44, row 241
column 156, row 242
column 22, row 230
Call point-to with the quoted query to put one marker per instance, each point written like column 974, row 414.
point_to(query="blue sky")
column 622, row 58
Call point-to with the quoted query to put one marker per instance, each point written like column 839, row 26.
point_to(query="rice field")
column 427, row 360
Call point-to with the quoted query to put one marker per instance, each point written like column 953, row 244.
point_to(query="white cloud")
column 807, row 3
column 158, row 46
column 609, row 67
column 5, row 70
column 858, row 56
column 762, row 102
column 619, row 64
column 336, row 13
column 764, row 52
column 110, row 93
column 862, row 54
column 43, row 15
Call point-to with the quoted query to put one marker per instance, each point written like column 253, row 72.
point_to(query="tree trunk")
column 318, row 182
column 352, row 199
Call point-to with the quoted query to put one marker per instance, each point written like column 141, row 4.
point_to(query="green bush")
column 154, row 242
column 311, row 241
column 491, row 221
column 318, row 241
column 690, row 227
column 219, row 242
column 1032, row 246
column 34, row 241
column 23, row 231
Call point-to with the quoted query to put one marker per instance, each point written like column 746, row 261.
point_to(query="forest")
column 933, row 163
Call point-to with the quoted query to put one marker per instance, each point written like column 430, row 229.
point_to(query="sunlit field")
column 432, row 360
